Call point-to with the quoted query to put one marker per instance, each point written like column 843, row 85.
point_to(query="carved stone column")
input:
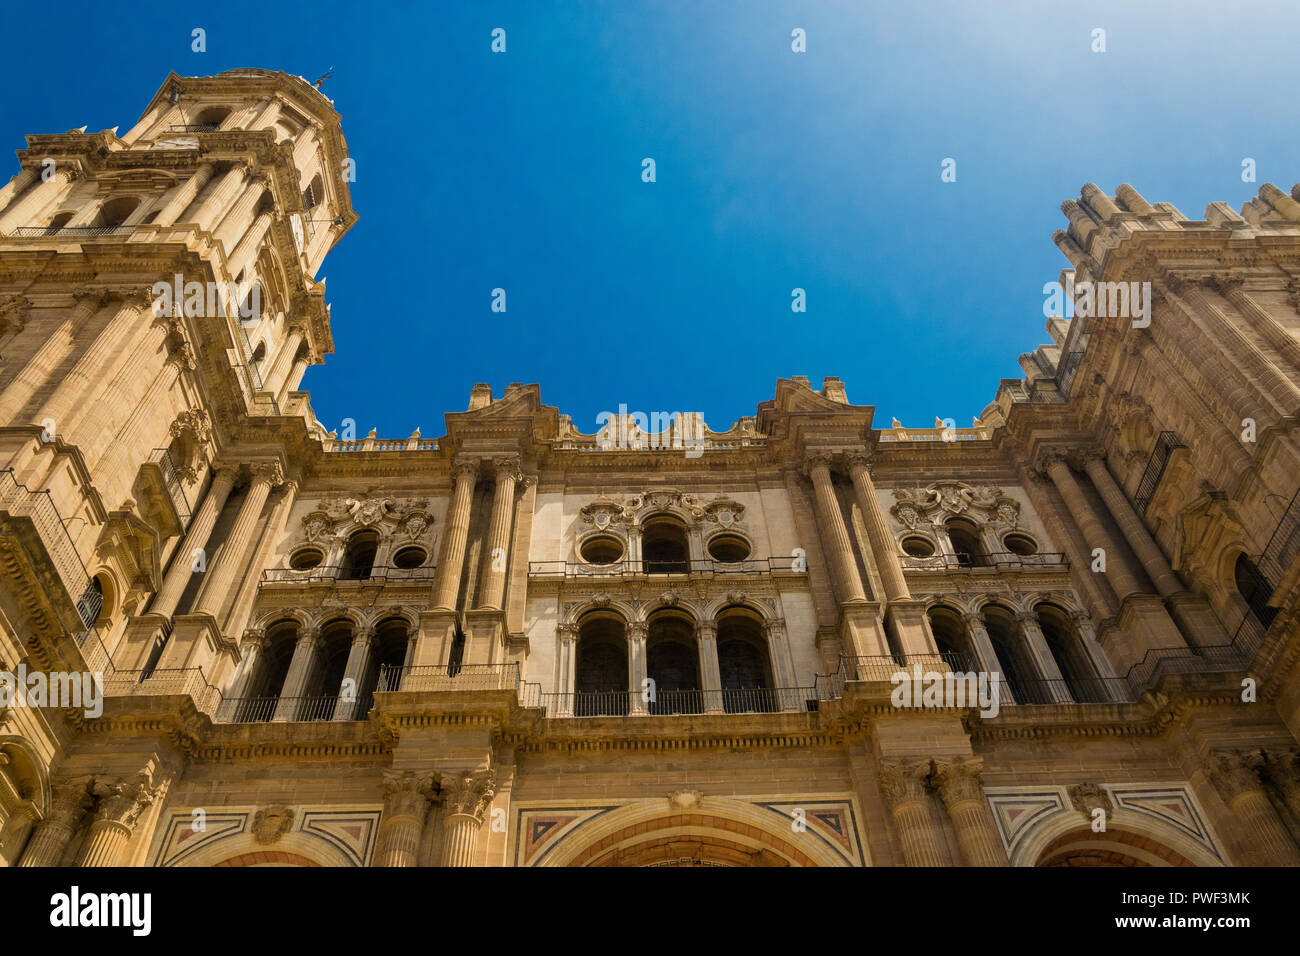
column 1235, row 774
column 468, row 796
column 904, row 785
column 251, row 646
column 184, row 195
column 986, row 656
column 1090, row 524
column 406, row 806
column 120, row 806
column 882, row 542
column 196, row 539
column 464, row 475
column 90, row 368
column 241, row 213
column 568, row 648
column 47, row 358
column 836, row 536
column 962, row 792
column 636, row 666
column 356, row 670
column 1282, row 770
column 1045, row 667
column 30, row 205
column 284, row 359
column 498, row 536
column 231, row 561
column 214, row 203
column 69, row 801
column 706, row 636
column 1134, row 531
column 302, row 668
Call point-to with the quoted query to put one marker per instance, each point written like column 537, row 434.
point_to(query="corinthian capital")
column 272, row 472
column 814, row 461
column 1234, row 772
column 122, row 801
column 407, row 793
column 958, row 780
column 860, row 458
column 904, row 781
column 469, row 794
column 69, row 801
column 464, row 468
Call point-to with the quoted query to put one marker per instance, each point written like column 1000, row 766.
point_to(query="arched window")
column 116, row 211
column 262, row 692
column 321, row 696
column 744, row 664
column 600, row 672
column 673, row 663
column 212, row 116
column 1018, row 675
column 359, row 556
column 1080, row 676
column 313, row 194
column 1254, row 590
column 664, row 546
column 966, row 543
column 392, row 641
column 57, row 223
column 951, row 638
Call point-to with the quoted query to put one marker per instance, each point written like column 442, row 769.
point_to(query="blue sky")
column 775, row 170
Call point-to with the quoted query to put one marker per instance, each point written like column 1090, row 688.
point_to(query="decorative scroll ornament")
column 940, row 500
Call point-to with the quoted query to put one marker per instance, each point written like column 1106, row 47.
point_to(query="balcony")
column 68, row 232
column 1003, row 559
column 334, row 574
column 1155, row 470
column 449, row 678
column 35, row 512
column 188, row 681
column 193, row 127
column 160, row 478
column 706, row 567
column 260, row 710
column 670, row 703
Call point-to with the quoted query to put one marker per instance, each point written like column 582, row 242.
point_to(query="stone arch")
column 722, row 831
column 1147, row 840
column 242, row 849
column 26, row 772
column 277, row 615
column 576, row 612
column 670, row 601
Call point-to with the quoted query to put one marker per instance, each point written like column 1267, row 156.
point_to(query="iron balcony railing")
column 161, row 459
column 36, row 232
column 17, row 500
column 705, row 566
column 683, row 702
column 250, row 710
column 194, row 127
column 383, row 573
column 1002, row 559
column 1155, row 470
column 448, row 677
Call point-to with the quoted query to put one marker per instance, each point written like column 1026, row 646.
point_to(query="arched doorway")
column 1113, row 848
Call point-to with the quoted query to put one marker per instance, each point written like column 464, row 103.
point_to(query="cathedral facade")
column 1065, row 635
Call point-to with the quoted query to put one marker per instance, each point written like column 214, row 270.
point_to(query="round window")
column 602, row 550
column 918, row 547
column 304, row 559
column 728, row 548
column 408, row 558
column 1020, row 544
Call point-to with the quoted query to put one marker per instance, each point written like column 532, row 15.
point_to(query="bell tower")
column 158, row 301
